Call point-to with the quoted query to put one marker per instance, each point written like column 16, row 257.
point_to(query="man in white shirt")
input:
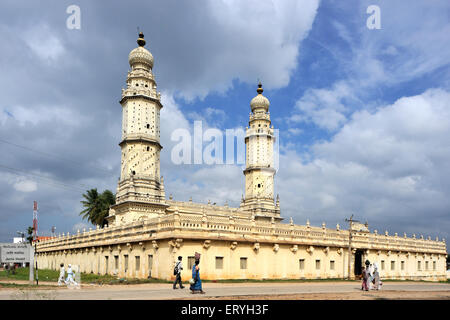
column 70, row 279
column 177, row 273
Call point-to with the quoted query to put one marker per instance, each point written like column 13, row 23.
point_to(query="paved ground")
column 311, row 290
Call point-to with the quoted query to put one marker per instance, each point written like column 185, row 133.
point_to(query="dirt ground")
column 372, row 295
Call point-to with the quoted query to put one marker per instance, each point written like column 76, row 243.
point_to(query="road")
column 226, row 290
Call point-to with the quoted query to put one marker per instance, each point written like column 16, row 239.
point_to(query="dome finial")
column 260, row 89
column 140, row 41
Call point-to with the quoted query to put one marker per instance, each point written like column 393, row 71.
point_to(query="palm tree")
column 30, row 232
column 107, row 199
column 97, row 206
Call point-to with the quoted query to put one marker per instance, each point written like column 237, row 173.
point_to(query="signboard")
column 15, row 252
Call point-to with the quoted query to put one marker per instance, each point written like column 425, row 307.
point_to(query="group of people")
column 195, row 282
column 70, row 275
column 370, row 277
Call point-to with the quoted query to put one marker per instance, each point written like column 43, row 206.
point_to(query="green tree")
column 30, row 232
column 97, row 206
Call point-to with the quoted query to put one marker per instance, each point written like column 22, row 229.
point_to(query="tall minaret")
column 140, row 192
column 259, row 172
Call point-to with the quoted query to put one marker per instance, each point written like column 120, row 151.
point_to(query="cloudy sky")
column 363, row 114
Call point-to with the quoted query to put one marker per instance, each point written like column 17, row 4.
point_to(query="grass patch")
column 23, row 274
column 53, row 275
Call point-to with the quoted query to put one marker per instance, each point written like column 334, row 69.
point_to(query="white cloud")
column 324, row 107
column 389, row 167
column 404, row 48
column 44, row 43
column 217, row 183
column 80, row 226
column 243, row 40
column 295, row 131
column 39, row 114
column 25, row 185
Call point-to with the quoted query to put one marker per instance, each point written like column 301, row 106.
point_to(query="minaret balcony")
column 267, row 168
column 259, row 132
column 145, row 92
column 139, row 73
column 140, row 137
column 260, row 116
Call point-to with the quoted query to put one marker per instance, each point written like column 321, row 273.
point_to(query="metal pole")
column 35, row 251
column 31, row 275
column 349, row 249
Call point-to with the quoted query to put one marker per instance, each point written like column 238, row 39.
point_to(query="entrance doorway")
column 358, row 262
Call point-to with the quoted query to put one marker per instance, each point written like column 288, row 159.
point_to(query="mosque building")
column 147, row 232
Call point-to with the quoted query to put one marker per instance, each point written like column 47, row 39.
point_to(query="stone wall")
column 272, row 250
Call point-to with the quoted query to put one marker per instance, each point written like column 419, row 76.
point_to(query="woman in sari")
column 196, row 287
column 365, row 278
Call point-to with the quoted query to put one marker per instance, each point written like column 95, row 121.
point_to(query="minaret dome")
column 140, row 55
column 260, row 101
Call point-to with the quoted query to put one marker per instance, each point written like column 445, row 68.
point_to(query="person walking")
column 61, row 274
column 370, row 279
column 365, row 277
column 70, row 273
column 177, row 273
column 376, row 278
column 196, row 282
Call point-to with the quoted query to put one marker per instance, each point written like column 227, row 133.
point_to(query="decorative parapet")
column 235, row 227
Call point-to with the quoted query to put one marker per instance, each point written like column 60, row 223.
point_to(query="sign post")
column 17, row 253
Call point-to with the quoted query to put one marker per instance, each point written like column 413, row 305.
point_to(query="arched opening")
column 358, row 262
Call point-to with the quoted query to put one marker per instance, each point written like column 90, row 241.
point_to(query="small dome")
column 140, row 54
column 260, row 101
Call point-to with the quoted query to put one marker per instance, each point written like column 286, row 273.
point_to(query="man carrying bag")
column 177, row 273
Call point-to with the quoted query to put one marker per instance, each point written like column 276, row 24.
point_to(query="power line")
column 52, row 155
column 51, row 181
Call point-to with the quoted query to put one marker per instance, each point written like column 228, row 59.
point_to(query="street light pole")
column 21, row 234
column 35, row 252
